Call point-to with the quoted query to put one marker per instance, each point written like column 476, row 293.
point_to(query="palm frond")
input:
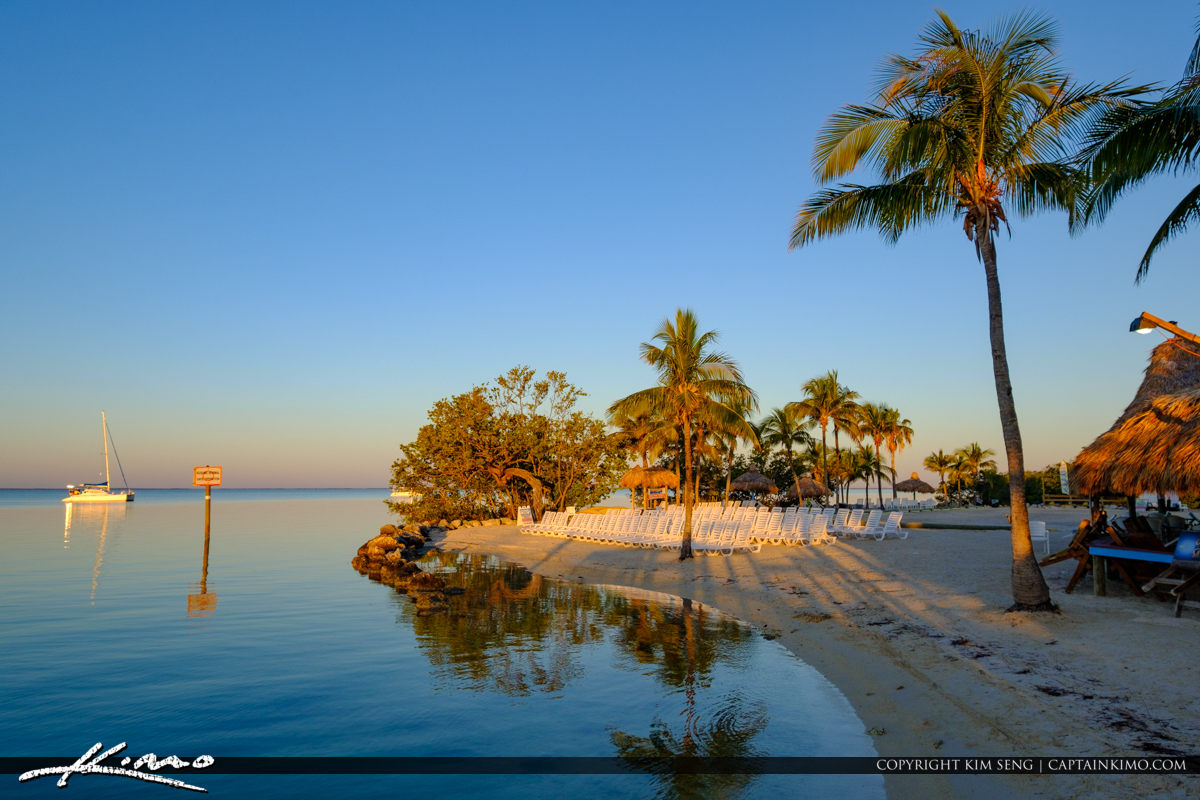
column 1181, row 216
column 650, row 402
column 1053, row 186
column 890, row 208
column 1131, row 143
column 850, row 135
column 1026, row 30
column 1193, row 62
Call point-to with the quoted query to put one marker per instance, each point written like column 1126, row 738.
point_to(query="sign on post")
column 206, row 476
column 204, row 603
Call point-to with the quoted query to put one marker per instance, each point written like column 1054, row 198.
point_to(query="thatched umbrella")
column 1154, row 446
column 914, row 485
column 633, row 478
column 648, row 478
column 808, row 488
column 753, row 481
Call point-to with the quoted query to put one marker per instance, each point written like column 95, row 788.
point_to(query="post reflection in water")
column 518, row 633
column 201, row 602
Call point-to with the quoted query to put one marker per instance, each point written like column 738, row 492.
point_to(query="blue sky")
column 270, row 235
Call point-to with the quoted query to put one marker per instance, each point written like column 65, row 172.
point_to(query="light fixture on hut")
column 1147, row 322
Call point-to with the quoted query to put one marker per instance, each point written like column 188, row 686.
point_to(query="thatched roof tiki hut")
column 914, row 485
column 809, row 488
column 648, row 478
column 754, row 482
column 1154, row 446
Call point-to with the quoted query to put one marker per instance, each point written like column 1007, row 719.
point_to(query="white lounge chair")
column 1038, row 533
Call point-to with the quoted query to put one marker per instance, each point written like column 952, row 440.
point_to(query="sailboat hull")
column 100, row 497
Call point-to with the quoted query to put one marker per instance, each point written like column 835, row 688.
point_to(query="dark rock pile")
column 390, row 559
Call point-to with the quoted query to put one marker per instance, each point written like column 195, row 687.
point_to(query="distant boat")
column 404, row 496
column 100, row 492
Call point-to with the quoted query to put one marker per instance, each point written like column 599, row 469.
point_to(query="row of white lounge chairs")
column 889, row 504
column 719, row 531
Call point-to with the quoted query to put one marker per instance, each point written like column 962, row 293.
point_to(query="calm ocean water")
column 113, row 631
column 192, row 494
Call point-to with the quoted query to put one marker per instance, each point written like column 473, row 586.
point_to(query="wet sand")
column 914, row 633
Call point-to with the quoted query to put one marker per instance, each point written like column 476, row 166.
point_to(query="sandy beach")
column 915, row 635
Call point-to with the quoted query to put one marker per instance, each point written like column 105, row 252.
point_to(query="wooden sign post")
column 207, row 477
column 202, row 604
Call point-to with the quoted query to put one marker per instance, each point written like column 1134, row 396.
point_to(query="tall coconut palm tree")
column 868, row 464
column 841, row 472
column 899, row 436
column 729, row 437
column 693, row 382
column 978, row 459
column 857, row 466
column 875, row 422
column 940, row 463
column 785, row 428
column 844, row 417
column 1133, row 141
column 960, row 469
column 974, row 124
column 707, row 448
column 826, row 402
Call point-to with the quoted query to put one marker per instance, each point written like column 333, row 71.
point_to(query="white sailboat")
column 100, row 492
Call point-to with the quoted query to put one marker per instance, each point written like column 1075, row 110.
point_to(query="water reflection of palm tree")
column 509, row 630
column 729, row 734
column 517, row 633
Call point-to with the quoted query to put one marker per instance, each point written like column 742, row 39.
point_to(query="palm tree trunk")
column 893, row 455
column 728, row 476
column 837, row 459
column 678, row 480
column 792, row 467
column 1030, row 592
column 879, row 487
column 645, row 493
column 824, row 462
column 685, row 547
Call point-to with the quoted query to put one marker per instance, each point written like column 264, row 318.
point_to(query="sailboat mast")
column 104, row 434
